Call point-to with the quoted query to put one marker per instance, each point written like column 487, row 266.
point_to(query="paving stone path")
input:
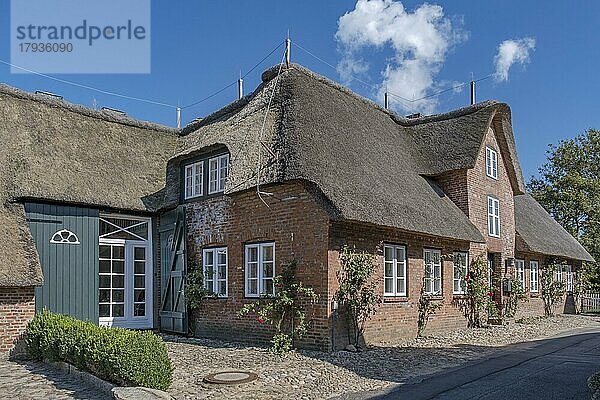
column 29, row 380
column 311, row 375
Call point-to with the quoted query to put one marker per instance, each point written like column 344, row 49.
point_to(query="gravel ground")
column 319, row 375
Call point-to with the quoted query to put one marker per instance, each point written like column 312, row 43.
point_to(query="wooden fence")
column 590, row 302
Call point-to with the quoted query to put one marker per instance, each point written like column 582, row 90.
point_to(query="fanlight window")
column 123, row 228
column 64, row 236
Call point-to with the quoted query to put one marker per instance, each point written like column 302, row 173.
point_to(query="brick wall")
column 396, row 318
column 294, row 220
column 17, row 307
column 454, row 184
column 479, row 187
column 533, row 305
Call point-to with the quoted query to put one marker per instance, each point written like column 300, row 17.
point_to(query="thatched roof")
column 55, row 151
column 19, row 263
column 367, row 163
column 540, row 233
column 365, row 160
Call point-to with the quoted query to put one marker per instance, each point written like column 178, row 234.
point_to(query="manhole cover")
column 230, row 377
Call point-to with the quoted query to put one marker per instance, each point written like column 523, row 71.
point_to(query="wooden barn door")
column 173, row 311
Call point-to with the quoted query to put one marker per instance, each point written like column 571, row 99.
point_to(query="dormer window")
column 193, row 179
column 491, row 163
column 218, row 167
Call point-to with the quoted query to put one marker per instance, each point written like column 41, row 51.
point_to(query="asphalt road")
column 555, row 368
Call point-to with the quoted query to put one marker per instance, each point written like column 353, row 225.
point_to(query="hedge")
column 121, row 356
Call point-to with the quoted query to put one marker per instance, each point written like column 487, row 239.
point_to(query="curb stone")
column 115, row 392
column 93, row 380
column 139, row 393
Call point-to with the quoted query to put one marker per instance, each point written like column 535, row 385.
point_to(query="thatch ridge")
column 271, row 72
column 123, row 119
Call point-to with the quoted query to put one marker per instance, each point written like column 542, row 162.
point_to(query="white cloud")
column 510, row 52
column 420, row 41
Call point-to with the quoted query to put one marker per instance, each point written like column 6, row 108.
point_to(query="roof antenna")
column 386, row 102
column 472, row 89
column 288, row 45
column 178, row 110
column 240, row 86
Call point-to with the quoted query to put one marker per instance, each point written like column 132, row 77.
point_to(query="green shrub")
column 121, row 356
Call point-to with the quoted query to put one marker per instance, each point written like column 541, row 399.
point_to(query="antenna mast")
column 288, row 45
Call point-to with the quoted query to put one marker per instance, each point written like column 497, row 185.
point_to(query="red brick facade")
column 17, row 307
column 296, row 223
column 396, row 318
column 301, row 228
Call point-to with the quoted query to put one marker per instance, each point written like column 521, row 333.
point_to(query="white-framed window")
column 493, row 216
column 214, row 265
column 569, row 276
column 125, row 271
column 491, row 163
column 520, row 272
column 218, row 168
column 534, row 276
column 461, row 261
column 260, row 269
column 193, row 179
column 394, row 279
column 64, row 236
column 433, row 271
column 559, row 273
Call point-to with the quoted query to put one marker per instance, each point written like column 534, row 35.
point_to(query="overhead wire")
column 234, row 82
column 92, row 88
column 140, row 99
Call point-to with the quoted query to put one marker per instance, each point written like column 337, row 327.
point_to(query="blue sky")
column 199, row 47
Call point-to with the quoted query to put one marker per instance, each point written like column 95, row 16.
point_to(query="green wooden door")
column 66, row 239
column 173, row 311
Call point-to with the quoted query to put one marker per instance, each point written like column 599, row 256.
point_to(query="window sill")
column 435, row 296
column 459, row 295
column 395, row 299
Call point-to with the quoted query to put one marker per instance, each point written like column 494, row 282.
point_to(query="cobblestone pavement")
column 317, row 375
column 29, row 380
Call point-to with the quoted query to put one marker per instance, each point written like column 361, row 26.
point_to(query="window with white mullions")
column 139, row 281
column 559, row 273
column 260, row 269
column 493, row 216
column 193, row 180
column 569, row 277
column 534, row 276
column 215, row 270
column 112, row 281
column 394, row 270
column 491, row 163
column 520, row 272
column 433, row 271
column 218, row 169
column 461, row 259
